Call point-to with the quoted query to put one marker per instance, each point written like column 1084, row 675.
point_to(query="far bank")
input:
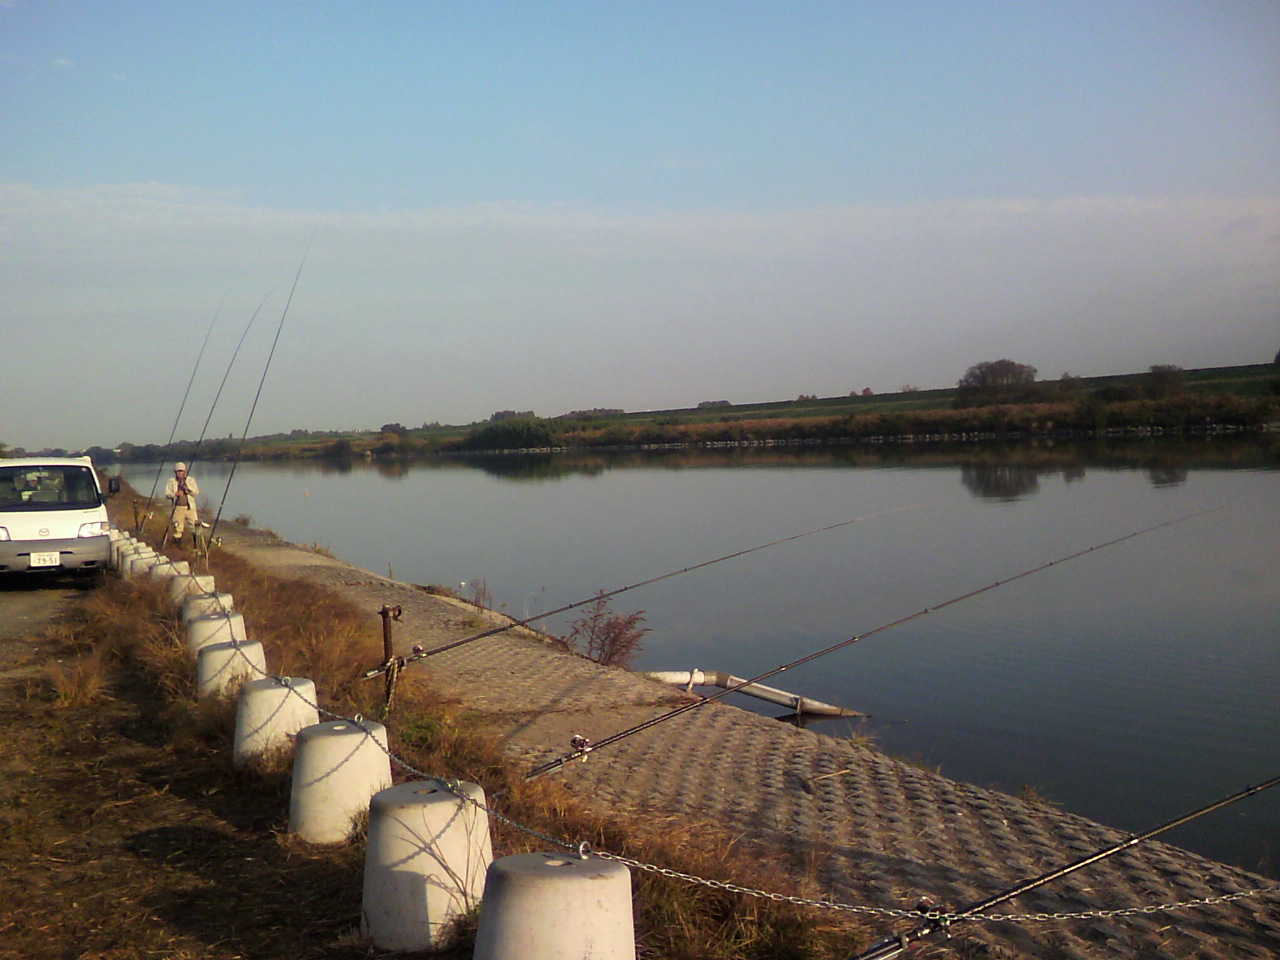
column 1164, row 401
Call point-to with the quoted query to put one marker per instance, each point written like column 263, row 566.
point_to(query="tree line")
column 1006, row 381
column 1164, row 397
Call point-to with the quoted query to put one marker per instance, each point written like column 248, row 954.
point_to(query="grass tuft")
column 81, row 681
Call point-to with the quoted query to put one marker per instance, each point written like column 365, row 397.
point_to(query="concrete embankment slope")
column 881, row 832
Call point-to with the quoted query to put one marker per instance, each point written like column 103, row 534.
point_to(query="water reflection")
column 535, row 466
column 1167, row 476
column 999, row 481
column 1012, row 481
column 991, row 471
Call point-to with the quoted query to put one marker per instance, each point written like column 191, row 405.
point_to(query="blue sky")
column 562, row 205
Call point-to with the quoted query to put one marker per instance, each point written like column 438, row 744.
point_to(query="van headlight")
column 4, row 533
column 95, row 529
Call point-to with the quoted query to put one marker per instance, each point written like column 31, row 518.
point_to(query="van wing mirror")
column 113, row 485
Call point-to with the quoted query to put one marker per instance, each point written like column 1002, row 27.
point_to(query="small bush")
column 612, row 639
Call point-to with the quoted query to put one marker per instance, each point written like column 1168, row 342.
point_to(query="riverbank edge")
column 910, row 817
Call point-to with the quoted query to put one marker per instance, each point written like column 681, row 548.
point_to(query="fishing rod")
column 892, row 946
column 582, row 746
column 182, row 406
column 605, row 595
column 266, row 367
column 214, row 406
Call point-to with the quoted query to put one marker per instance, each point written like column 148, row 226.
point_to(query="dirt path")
column 29, row 604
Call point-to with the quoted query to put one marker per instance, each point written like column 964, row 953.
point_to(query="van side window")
column 80, row 488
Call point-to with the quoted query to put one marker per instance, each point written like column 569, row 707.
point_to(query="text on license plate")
column 50, row 559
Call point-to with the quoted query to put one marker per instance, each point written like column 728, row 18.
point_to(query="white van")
column 53, row 515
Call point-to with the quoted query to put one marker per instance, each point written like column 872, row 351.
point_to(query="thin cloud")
column 1241, row 226
column 641, row 311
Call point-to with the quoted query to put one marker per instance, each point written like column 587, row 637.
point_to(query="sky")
column 555, row 206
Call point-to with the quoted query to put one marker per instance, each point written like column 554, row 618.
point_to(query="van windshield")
column 47, row 487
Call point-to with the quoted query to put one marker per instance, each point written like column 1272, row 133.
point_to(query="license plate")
column 52, row 559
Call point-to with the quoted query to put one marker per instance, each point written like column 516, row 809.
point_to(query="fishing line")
column 894, row 945
column 182, row 406
column 643, row 583
column 266, row 367
column 226, row 373
column 214, row 406
column 685, row 708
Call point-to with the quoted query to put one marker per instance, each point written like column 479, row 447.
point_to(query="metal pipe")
column 718, row 678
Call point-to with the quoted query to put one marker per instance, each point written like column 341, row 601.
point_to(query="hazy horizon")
column 416, row 425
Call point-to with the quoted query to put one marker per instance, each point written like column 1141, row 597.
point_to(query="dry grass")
column 202, row 866
column 81, row 681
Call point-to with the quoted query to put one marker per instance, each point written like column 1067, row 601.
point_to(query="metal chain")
column 581, row 848
column 892, row 912
column 1126, row 911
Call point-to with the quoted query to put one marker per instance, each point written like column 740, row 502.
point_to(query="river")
column 1129, row 684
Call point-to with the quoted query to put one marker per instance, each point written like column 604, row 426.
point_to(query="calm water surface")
column 1128, row 685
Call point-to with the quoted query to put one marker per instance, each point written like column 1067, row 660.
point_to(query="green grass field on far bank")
column 1211, row 398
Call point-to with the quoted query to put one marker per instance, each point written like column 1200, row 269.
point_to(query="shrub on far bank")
column 509, row 434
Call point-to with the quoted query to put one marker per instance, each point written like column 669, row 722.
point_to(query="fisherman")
column 183, row 490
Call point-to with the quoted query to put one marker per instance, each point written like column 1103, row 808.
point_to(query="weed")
column 437, row 590
column 65, row 636
column 80, row 681
column 244, row 519
column 918, row 761
column 418, row 731
column 606, row 637
column 480, row 598
column 861, row 735
column 1032, row 794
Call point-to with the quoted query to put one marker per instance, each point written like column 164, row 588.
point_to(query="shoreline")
column 885, row 832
